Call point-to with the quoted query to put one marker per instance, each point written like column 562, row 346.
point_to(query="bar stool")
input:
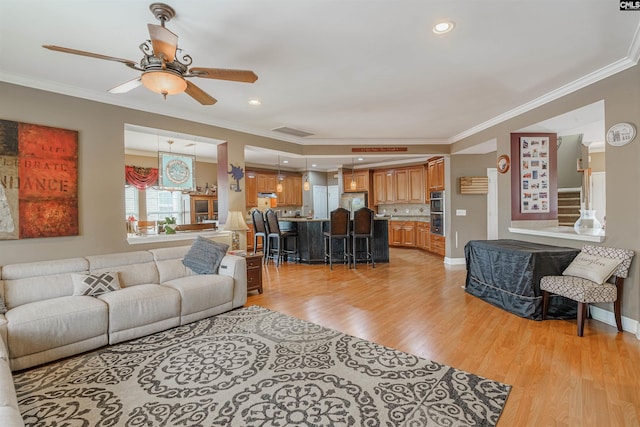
column 338, row 229
column 276, row 239
column 363, row 229
column 259, row 231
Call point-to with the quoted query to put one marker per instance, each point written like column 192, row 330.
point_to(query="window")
column 131, row 206
column 161, row 204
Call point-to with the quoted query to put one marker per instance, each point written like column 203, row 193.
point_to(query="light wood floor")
column 417, row 304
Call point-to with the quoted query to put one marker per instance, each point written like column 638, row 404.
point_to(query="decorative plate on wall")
column 503, row 163
column 621, row 134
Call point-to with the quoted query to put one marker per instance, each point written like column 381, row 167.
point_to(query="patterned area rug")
column 255, row 367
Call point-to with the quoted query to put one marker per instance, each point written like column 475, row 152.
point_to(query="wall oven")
column 437, row 213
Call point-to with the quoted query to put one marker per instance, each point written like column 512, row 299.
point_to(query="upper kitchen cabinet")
column 435, row 172
column 266, row 183
column 251, row 190
column 402, row 185
column 383, row 192
column 409, row 185
column 291, row 194
column 362, row 178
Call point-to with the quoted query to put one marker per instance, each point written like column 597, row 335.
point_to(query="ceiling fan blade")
column 199, row 95
column 89, row 54
column 126, row 87
column 164, row 42
column 244, row 76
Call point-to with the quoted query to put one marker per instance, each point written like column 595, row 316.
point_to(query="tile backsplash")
column 405, row 209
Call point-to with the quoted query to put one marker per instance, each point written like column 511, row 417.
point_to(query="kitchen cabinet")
column 361, row 177
column 250, row 234
column 379, row 189
column 202, row 207
column 401, row 185
column 427, row 191
column 435, row 170
column 383, row 192
column 266, row 183
column 423, row 239
column 402, row 233
column 251, row 190
column 437, row 244
column 291, row 194
column 416, row 188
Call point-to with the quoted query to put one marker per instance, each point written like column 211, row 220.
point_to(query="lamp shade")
column 235, row 222
column 163, row 82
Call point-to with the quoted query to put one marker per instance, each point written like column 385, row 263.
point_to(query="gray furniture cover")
column 507, row 273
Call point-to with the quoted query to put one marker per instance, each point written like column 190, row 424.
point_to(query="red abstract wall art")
column 38, row 181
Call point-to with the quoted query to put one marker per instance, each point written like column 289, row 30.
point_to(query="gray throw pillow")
column 94, row 284
column 205, row 256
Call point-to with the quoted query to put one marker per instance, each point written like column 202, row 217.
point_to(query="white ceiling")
column 347, row 71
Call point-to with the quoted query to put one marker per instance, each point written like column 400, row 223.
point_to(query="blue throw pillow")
column 205, row 256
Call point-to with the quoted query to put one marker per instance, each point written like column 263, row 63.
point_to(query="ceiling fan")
column 162, row 71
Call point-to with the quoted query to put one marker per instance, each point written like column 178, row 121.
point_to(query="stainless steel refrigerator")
column 354, row 201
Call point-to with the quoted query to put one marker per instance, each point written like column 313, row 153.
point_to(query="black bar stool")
column 276, row 239
column 363, row 229
column 338, row 229
column 260, row 230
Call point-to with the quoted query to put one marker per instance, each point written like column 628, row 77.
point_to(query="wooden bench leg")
column 545, row 304
column 582, row 315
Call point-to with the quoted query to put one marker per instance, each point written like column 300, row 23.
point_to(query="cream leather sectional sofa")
column 44, row 321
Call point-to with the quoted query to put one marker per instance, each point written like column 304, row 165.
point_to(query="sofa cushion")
column 133, row 268
column 53, row 323
column 205, row 256
column 95, row 284
column 38, row 281
column 202, row 292
column 169, row 262
column 141, row 307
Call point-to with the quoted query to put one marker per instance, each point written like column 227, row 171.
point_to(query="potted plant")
column 170, row 225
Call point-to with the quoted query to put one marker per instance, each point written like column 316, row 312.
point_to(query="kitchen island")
column 311, row 239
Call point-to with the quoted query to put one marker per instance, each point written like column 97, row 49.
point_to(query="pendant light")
column 306, row 186
column 279, row 186
column 353, row 184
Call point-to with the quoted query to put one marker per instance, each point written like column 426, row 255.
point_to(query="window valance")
column 140, row 177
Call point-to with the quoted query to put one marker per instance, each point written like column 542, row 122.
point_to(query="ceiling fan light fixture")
column 163, row 82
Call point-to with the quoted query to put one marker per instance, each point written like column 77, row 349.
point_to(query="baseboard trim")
column 454, row 261
column 605, row 316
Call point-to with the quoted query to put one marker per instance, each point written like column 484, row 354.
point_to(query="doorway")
column 319, row 201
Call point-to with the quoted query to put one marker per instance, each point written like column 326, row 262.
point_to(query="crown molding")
column 581, row 83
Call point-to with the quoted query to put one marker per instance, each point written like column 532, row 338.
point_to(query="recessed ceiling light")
column 285, row 161
column 255, row 102
column 313, row 165
column 443, row 27
column 360, row 159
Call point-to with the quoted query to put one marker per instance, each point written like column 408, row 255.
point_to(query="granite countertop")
column 294, row 219
column 300, row 219
column 410, row 218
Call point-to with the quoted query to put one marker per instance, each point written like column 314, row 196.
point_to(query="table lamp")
column 235, row 222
